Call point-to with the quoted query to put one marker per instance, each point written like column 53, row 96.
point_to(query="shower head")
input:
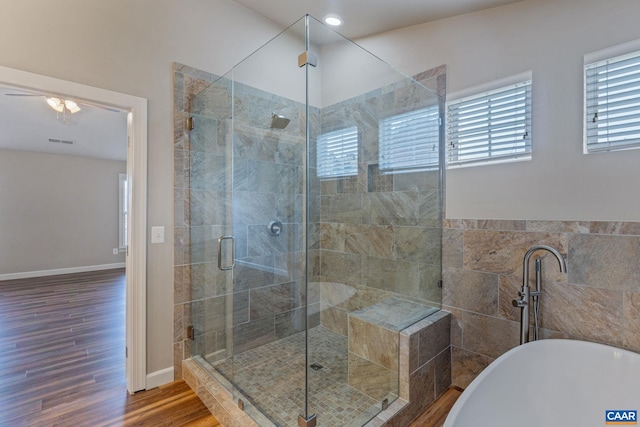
column 279, row 122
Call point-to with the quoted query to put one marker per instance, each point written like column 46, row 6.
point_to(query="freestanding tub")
column 551, row 383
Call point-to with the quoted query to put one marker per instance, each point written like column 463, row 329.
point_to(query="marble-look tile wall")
column 379, row 233
column 187, row 83
column 598, row 299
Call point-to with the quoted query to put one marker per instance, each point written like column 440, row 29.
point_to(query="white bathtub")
column 550, row 383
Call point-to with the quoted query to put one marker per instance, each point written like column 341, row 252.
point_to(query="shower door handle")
column 233, row 252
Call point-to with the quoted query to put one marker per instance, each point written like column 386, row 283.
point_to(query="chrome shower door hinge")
column 190, row 125
column 307, row 58
column 191, row 333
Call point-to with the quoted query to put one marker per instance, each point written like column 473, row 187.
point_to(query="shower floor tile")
column 272, row 378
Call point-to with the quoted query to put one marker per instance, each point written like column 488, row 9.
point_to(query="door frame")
column 136, row 260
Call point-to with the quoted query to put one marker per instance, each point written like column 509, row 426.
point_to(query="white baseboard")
column 158, row 378
column 70, row 270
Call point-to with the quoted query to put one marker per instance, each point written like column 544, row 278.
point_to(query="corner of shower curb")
column 214, row 391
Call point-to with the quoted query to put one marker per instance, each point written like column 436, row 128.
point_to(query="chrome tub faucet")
column 525, row 293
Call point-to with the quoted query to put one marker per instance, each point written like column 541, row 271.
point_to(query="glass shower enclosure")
column 315, row 208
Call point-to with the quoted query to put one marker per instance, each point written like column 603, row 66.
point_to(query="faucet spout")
column 554, row 251
column 525, row 293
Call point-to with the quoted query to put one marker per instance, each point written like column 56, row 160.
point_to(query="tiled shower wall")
column 598, row 299
column 379, row 234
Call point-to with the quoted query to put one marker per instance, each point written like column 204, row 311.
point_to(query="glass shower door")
column 267, row 249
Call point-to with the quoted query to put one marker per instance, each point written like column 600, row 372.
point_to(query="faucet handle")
column 519, row 302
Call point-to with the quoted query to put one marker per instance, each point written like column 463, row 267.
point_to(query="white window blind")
column 493, row 126
column 410, row 142
column 338, row 153
column 612, row 103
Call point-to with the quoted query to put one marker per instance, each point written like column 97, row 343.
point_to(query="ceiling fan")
column 62, row 106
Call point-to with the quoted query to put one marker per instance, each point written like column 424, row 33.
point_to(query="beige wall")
column 128, row 46
column 57, row 211
column 550, row 38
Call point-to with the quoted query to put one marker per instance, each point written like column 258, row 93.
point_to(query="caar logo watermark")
column 620, row 417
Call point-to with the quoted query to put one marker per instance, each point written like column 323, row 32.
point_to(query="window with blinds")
column 493, row 126
column 612, row 104
column 410, row 142
column 338, row 153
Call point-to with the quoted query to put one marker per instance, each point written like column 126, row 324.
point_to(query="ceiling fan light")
column 56, row 104
column 71, row 106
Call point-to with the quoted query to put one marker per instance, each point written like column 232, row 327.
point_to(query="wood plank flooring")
column 62, row 341
column 435, row 414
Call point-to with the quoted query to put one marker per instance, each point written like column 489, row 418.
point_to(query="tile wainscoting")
column 597, row 300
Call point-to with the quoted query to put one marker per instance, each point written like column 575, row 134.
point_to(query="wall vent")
column 62, row 141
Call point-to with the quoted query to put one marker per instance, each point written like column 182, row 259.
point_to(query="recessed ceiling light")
column 333, row 20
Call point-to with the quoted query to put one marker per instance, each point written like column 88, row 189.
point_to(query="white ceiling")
column 365, row 17
column 27, row 123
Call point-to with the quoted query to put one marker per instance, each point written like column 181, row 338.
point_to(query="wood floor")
column 435, row 414
column 62, row 342
column 62, row 360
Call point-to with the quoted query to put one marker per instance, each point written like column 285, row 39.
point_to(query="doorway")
column 136, row 200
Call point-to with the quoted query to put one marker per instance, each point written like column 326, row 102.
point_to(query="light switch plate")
column 157, row 234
